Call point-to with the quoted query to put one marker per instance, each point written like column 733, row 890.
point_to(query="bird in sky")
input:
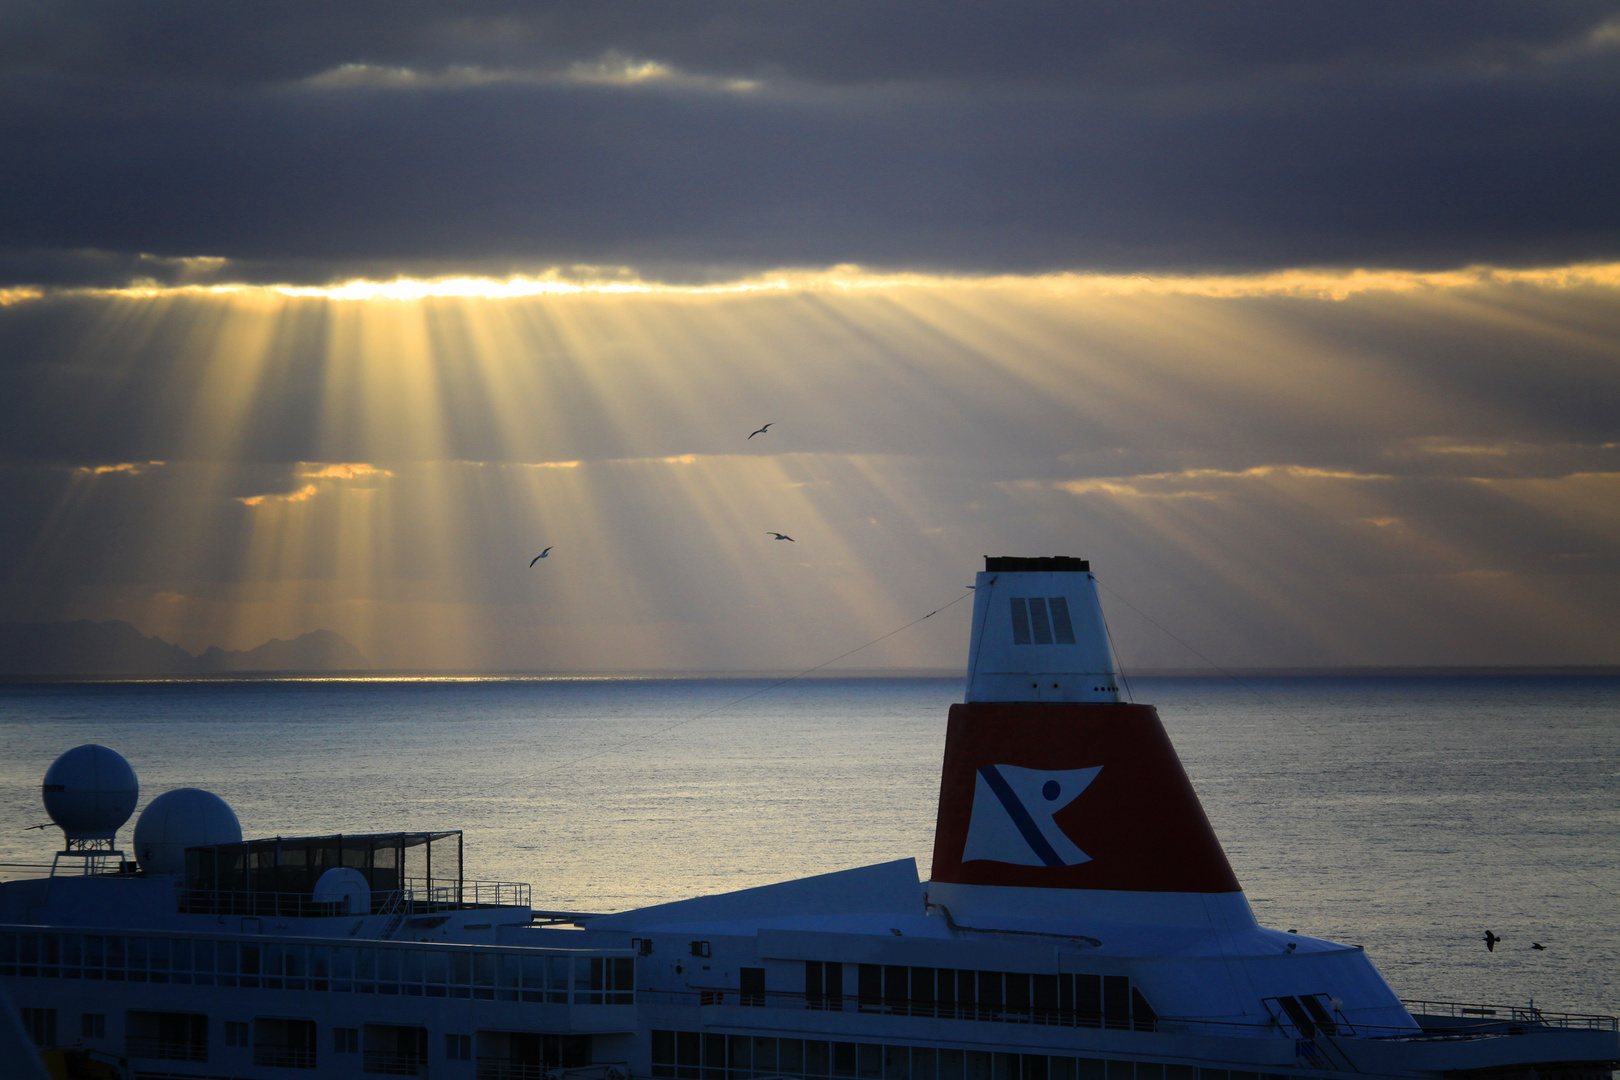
column 782, row 536
column 1538, row 946
column 1490, row 941
column 761, row 431
column 542, row 555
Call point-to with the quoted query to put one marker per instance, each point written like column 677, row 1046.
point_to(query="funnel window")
column 1039, row 622
column 1020, row 619
column 1062, row 627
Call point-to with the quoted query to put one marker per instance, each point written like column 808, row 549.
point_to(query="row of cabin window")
column 283, row 1042
column 1013, row 997
column 690, row 1055
column 341, row 968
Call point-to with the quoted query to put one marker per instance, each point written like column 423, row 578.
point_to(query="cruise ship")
column 1081, row 922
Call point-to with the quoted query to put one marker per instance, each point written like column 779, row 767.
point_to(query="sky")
column 1299, row 320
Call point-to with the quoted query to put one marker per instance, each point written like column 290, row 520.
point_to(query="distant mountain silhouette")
column 117, row 648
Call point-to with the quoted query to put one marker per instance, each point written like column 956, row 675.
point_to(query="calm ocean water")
column 1407, row 815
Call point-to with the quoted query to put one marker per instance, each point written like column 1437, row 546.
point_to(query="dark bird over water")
column 761, row 431
column 1538, row 946
column 1490, row 941
column 782, row 536
column 540, row 556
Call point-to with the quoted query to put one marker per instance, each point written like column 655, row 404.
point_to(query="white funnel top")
column 1038, row 634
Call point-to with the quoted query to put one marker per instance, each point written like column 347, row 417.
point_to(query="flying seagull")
column 542, row 555
column 782, row 536
column 1490, row 941
column 761, row 431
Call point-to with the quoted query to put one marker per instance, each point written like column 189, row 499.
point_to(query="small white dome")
column 90, row 791
column 176, row 820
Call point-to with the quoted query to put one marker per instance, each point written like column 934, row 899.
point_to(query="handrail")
column 420, row 896
column 1521, row 1021
column 1496, row 1015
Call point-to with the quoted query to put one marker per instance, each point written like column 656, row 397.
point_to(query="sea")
column 1406, row 814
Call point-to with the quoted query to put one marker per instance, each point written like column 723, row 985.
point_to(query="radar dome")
column 176, row 820
column 90, row 791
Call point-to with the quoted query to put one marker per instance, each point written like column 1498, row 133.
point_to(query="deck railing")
column 420, row 896
column 1474, row 1021
column 1475, row 1016
column 393, row 1063
column 284, row 1057
column 142, row 1046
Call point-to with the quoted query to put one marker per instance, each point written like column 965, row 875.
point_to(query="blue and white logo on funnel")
column 1012, row 816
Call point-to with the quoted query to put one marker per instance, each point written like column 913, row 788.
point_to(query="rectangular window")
column 663, row 1053
column 40, row 1025
column 1039, row 623
column 790, row 1056
column 166, row 1036
column 1044, row 999
column 922, row 991
column 869, row 987
column 345, row 1040
column 284, row 1044
column 897, row 989
column 990, row 995
column 714, row 1057
column 753, row 986
column 1018, row 997
column 93, row 1025
column 236, row 1033
column 688, row 1054
column 458, row 1047
column 1062, row 628
column 764, row 1055
column 1020, row 621
column 945, row 993
column 1088, row 1000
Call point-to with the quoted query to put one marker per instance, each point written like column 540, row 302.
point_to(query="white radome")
column 89, row 792
column 176, row 820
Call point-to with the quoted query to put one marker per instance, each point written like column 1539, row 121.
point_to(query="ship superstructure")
column 1081, row 922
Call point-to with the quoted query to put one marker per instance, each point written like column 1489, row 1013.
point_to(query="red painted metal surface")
column 1137, row 819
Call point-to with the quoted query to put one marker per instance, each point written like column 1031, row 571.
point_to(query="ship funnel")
column 1058, row 798
column 1038, row 633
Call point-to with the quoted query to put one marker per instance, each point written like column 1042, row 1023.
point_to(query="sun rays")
column 379, row 459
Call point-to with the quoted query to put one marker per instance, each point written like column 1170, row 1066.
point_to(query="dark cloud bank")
column 311, row 141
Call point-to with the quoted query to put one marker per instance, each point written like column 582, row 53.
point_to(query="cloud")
column 612, row 68
column 316, row 471
column 1202, row 483
column 132, row 468
column 1168, row 139
column 1308, row 283
column 303, row 494
column 342, row 471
